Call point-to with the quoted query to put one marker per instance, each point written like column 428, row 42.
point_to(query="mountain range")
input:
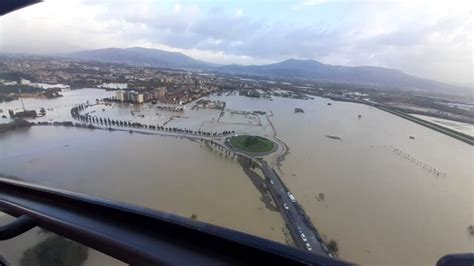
column 142, row 57
column 384, row 78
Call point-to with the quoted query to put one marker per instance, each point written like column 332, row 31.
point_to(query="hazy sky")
column 430, row 39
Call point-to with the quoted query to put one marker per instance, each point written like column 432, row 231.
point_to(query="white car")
column 271, row 181
column 292, row 198
column 308, row 247
column 304, row 237
column 286, row 206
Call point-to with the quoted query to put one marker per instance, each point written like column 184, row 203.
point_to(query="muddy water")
column 164, row 173
column 388, row 199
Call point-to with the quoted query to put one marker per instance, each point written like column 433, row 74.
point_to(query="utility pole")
column 21, row 99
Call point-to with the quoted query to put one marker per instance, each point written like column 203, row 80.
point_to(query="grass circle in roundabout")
column 251, row 144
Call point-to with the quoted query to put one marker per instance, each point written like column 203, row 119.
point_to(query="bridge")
column 302, row 231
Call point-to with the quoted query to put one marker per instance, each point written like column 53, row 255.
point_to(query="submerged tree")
column 332, row 245
column 55, row 251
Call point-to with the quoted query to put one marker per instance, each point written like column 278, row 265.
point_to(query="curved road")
column 302, row 231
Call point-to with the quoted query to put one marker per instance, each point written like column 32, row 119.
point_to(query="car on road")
column 292, row 198
column 303, row 237
column 286, row 206
column 308, row 247
column 271, row 181
column 325, row 248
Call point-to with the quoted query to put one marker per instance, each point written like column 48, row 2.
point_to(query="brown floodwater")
column 387, row 198
column 164, row 173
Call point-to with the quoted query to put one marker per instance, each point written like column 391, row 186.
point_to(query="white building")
column 140, row 98
column 25, row 82
column 120, row 95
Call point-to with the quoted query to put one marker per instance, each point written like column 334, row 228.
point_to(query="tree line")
column 76, row 113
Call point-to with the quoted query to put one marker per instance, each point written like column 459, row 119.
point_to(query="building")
column 140, row 98
column 120, row 95
column 159, row 93
column 204, row 103
column 131, row 96
column 25, row 82
column 23, row 114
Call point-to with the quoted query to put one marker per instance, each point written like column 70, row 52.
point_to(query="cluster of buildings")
column 23, row 114
column 131, row 96
column 210, row 104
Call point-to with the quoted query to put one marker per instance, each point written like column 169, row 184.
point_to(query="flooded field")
column 163, row 173
column 454, row 125
column 384, row 202
column 57, row 109
column 386, row 198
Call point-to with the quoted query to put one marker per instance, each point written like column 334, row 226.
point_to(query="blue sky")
column 431, row 39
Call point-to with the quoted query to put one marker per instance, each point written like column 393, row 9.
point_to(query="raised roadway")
column 301, row 229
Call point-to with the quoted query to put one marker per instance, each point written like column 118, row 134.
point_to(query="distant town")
column 45, row 77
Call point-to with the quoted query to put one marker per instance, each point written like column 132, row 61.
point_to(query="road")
column 297, row 222
column 447, row 131
column 302, row 231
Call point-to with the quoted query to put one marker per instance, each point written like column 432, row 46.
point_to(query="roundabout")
column 251, row 145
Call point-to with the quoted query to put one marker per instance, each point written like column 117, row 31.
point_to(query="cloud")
column 430, row 39
column 306, row 3
column 239, row 12
column 177, row 7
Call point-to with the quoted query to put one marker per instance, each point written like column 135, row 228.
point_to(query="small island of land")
column 15, row 124
column 333, row 137
column 251, row 144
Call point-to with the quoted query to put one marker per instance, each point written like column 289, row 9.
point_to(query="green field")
column 252, row 144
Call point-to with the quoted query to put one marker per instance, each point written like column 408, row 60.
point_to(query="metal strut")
column 17, row 227
column 140, row 236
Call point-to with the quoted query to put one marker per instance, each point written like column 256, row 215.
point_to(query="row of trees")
column 76, row 113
